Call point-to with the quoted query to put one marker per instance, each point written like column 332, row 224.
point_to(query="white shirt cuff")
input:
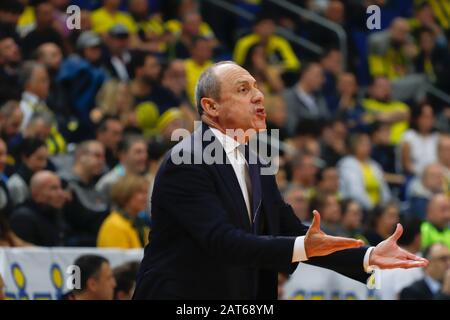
column 367, row 267
column 299, row 253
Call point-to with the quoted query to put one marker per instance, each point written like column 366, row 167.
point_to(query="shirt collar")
column 228, row 143
column 434, row 285
column 30, row 97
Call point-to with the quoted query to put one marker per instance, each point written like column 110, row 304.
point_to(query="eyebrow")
column 238, row 82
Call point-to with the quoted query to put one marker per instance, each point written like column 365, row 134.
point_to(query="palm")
column 388, row 255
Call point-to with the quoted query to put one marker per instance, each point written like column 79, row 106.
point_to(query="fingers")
column 408, row 264
column 398, row 232
column 413, row 257
column 315, row 225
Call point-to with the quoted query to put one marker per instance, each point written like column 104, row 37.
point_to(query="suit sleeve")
column 187, row 193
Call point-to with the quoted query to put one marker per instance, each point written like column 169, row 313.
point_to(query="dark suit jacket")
column 202, row 245
column 419, row 290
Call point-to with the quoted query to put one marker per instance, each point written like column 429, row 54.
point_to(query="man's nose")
column 258, row 96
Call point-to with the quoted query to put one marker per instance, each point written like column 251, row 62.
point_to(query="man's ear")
column 209, row 107
column 91, row 284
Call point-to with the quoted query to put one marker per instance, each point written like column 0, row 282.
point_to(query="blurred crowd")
column 87, row 114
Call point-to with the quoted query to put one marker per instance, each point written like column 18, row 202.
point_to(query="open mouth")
column 261, row 112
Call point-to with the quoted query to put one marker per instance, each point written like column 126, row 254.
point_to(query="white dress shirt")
column 240, row 168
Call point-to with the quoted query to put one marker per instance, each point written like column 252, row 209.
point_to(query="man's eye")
column 243, row 89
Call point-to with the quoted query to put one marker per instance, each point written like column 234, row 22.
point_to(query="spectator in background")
column 125, row 276
column 423, row 188
column 108, row 16
column 277, row 49
column 360, row 177
column 184, row 32
column 443, row 152
column 382, row 220
column 348, row 105
column 35, row 81
column 266, row 74
column 40, row 220
column 304, row 173
column 10, row 120
column 123, row 228
column 424, row 18
column 419, row 143
column 81, row 77
column 331, row 62
column 6, row 204
column 304, row 100
column 395, row 280
column 109, row 133
column 332, row 145
column 330, row 213
column 97, row 279
column 33, row 158
column 88, row 207
column 276, row 115
column 197, row 62
column 352, row 220
column 132, row 151
column 381, row 107
column 436, row 227
column 435, row 285
column 298, row 200
column 10, row 62
column 10, row 11
column 117, row 63
column 328, row 182
column 44, row 31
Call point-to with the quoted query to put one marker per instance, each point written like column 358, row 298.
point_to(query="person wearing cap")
column 118, row 42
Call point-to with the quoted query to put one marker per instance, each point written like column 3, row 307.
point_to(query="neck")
column 84, row 296
column 131, row 211
column 304, row 87
column 214, row 124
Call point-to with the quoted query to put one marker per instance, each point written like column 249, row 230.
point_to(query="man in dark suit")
column 221, row 229
column 436, row 283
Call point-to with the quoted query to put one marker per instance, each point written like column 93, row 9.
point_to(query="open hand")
column 388, row 255
column 317, row 243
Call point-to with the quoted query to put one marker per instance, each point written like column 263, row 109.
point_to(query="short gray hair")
column 208, row 85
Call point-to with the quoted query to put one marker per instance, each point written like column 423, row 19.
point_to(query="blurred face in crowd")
column 138, row 201
column 111, row 136
column 94, row 159
column 333, row 62
column 299, row 203
column 39, row 83
column 191, row 23
column 9, row 52
column 388, row 219
column 433, row 178
column 305, row 172
column 276, row 111
column 201, row 51
column 438, row 212
column 44, row 15
column 3, row 155
column 92, row 54
column 426, row 42
column 439, row 258
column 49, row 191
column 174, row 76
column 425, row 121
column 11, row 124
column 382, row 135
column 60, row 4
column 51, row 56
column 399, row 31
column 265, row 28
column 313, row 78
column 118, row 44
column 335, row 11
column 347, row 85
column 151, row 70
column 138, row 7
column 38, row 160
column 2, row 288
column 381, row 89
column 85, row 20
column 444, row 150
column 362, row 147
column 135, row 159
column 339, row 130
column 111, row 4
column 331, row 211
column 102, row 285
column 330, row 181
column 38, row 128
column 352, row 217
column 241, row 103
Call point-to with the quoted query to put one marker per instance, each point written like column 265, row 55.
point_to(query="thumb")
column 315, row 225
column 398, row 232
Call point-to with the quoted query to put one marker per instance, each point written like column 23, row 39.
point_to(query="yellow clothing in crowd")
column 193, row 72
column 392, row 65
column 118, row 232
column 102, row 20
column 441, row 10
column 398, row 128
column 371, row 183
column 275, row 45
column 174, row 27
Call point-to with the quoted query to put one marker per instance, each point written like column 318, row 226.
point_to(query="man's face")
column 135, row 158
column 299, row 203
column 265, row 28
column 241, row 103
column 9, row 51
column 52, row 56
column 191, row 24
column 94, row 160
column 104, row 283
column 444, row 151
column 39, row 83
column 151, row 70
column 3, row 155
column 202, row 51
column 2, row 288
column 112, row 135
column 44, row 15
column 439, row 262
column 439, row 211
column 92, row 54
column 38, row 160
column 400, row 32
column 381, row 89
column 434, row 178
column 314, row 76
column 12, row 124
column 51, row 193
column 330, row 181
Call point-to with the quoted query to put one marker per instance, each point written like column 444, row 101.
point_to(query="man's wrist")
column 367, row 260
